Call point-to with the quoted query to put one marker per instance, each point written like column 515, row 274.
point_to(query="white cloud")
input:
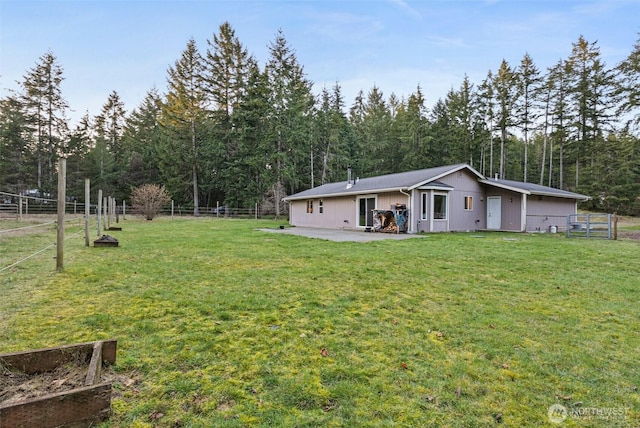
column 402, row 4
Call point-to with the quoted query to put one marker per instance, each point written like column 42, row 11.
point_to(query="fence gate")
column 9, row 211
column 589, row 226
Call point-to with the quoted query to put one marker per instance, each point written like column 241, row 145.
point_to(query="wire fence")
column 17, row 249
column 35, row 214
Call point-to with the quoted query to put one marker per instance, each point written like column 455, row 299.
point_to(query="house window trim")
column 468, row 203
column 320, row 206
column 424, row 206
column 358, row 199
column 446, row 206
column 309, row 206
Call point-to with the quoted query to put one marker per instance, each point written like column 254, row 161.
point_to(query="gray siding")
column 546, row 211
column 341, row 212
column 511, row 212
column 338, row 213
column 465, row 184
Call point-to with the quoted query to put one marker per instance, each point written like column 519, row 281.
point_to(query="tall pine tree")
column 183, row 123
column 46, row 113
column 289, row 120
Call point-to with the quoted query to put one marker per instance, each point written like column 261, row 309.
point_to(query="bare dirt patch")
column 16, row 386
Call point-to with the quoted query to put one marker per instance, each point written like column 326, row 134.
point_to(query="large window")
column 439, row 206
column 310, row 206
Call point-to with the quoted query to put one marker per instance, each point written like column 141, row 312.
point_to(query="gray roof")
column 382, row 183
column 533, row 189
column 410, row 180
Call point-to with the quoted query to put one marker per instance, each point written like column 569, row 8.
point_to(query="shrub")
column 149, row 199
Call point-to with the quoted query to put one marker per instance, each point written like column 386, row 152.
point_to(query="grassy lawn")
column 219, row 324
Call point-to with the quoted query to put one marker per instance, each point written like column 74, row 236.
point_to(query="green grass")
column 223, row 325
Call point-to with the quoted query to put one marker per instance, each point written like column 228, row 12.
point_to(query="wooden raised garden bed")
column 56, row 387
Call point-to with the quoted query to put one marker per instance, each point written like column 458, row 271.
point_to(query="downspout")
column 410, row 205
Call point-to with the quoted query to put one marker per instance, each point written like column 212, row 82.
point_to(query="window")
column 424, row 207
column 320, row 206
column 309, row 206
column 468, row 203
column 439, row 206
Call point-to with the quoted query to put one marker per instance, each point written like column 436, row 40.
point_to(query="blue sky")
column 396, row 45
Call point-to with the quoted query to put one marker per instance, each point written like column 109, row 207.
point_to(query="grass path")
column 223, row 325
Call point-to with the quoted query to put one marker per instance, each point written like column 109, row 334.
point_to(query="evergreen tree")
column 526, row 105
column 440, row 151
column 227, row 71
column 486, row 111
column 629, row 86
column 14, row 143
column 331, row 135
column 183, row 124
column 250, row 169
column 358, row 157
column 591, row 89
column 413, row 128
column 79, row 144
column 289, row 120
column 561, row 117
column 460, row 107
column 110, row 123
column 140, row 140
column 378, row 143
column 46, row 109
column 506, row 92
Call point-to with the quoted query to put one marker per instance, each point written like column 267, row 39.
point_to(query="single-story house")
column 446, row 198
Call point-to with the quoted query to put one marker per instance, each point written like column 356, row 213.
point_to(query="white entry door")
column 494, row 212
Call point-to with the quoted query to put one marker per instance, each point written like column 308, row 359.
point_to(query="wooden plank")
column 47, row 359
column 81, row 407
column 95, row 366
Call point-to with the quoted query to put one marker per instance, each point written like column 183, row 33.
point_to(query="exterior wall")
column 511, row 212
column 415, row 213
column 546, row 211
column 465, row 184
column 541, row 211
column 386, row 200
column 338, row 213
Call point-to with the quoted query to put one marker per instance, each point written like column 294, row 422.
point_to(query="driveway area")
column 341, row 235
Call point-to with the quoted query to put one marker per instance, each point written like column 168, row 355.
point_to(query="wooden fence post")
column 105, row 221
column 62, row 184
column 615, row 226
column 99, row 210
column 87, row 210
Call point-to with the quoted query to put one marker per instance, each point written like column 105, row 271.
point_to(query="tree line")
column 228, row 130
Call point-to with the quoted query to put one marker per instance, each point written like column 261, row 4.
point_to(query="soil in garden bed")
column 17, row 386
